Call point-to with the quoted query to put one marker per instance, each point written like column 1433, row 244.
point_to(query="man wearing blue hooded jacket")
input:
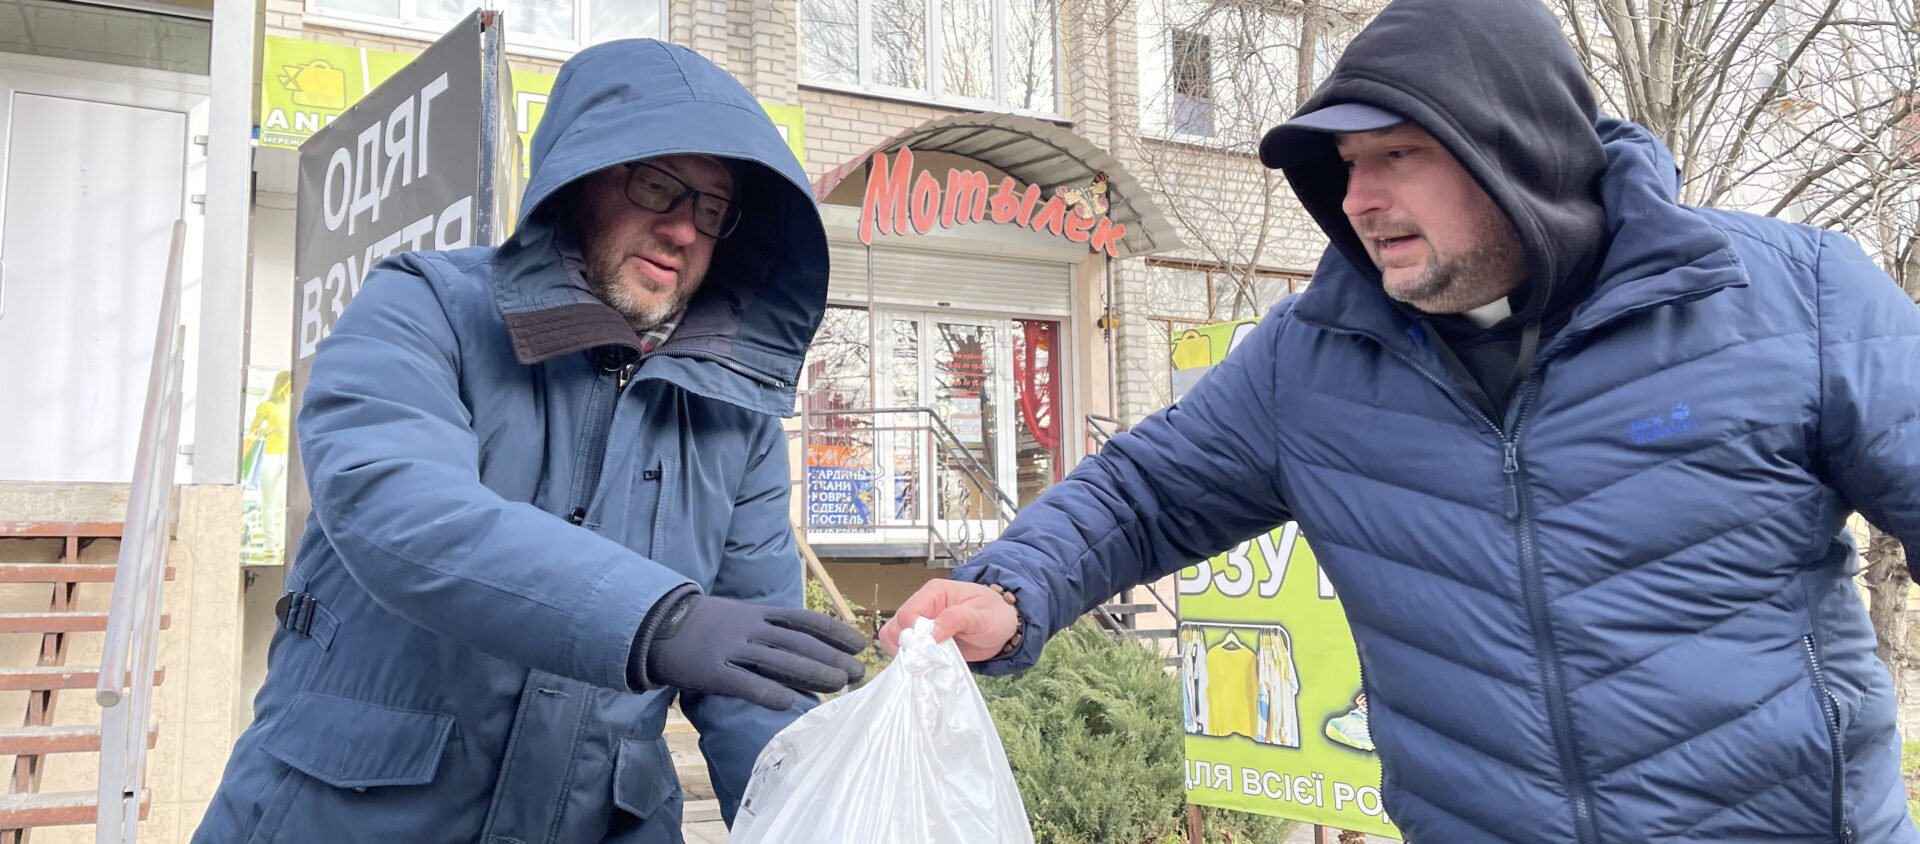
column 1577, row 458
column 550, row 492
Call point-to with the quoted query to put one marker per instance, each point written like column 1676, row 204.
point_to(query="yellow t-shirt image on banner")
column 1233, row 691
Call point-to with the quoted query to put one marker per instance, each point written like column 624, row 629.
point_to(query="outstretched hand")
column 974, row 616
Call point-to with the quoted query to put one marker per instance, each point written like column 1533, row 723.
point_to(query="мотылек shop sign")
column 898, row 202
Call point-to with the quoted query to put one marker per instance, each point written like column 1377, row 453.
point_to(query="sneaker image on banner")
column 1351, row 728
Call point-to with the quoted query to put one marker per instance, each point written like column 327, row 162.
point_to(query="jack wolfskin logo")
column 1655, row 428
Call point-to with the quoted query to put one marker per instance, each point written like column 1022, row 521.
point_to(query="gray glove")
column 759, row 654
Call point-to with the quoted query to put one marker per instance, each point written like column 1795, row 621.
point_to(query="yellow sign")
column 1272, row 703
column 307, row 84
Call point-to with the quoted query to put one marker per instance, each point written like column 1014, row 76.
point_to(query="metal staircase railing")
column 131, row 647
column 904, row 440
column 918, row 444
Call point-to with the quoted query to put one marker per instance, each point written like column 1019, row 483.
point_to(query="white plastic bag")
column 910, row 757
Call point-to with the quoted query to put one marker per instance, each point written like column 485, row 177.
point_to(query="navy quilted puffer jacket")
column 1620, row 612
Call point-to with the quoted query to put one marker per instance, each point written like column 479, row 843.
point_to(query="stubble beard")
column 1451, row 284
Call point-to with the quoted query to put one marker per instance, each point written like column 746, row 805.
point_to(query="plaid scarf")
column 653, row 337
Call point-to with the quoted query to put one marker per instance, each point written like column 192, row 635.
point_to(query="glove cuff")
column 670, row 609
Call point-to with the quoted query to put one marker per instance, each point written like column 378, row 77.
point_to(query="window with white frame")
column 1182, row 295
column 562, row 25
column 1222, row 73
column 1001, row 54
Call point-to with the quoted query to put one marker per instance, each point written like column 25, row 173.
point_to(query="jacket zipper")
column 1559, row 717
column 1830, row 711
column 597, row 445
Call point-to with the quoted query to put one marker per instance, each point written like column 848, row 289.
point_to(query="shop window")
column 840, row 446
column 940, row 50
column 1184, row 295
column 563, row 25
column 838, row 377
column 1037, row 417
column 838, row 380
column 994, row 385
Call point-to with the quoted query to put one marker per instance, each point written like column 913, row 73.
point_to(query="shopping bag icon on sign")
column 1192, row 351
column 316, row 84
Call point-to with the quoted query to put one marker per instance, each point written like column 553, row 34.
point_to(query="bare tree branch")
column 1767, row 99
column 1791, row 194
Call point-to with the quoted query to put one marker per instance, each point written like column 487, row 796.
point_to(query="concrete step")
column 39, row 741
column 55, row 808
column 695, row 783
column 61, row 572
column 700, row 811
column 62, row 622
column 46, row 677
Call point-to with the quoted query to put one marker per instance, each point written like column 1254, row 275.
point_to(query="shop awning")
column 1036, row 152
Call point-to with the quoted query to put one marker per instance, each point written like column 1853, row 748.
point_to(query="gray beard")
column 606, row 284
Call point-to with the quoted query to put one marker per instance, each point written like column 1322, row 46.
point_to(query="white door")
column 960, row 368
column 91, row 191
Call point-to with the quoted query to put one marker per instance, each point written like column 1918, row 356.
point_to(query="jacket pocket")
column 354, row 744
column 1836, row 739
column 643, row 778
column 659, row 476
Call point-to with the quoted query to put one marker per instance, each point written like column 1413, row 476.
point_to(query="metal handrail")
column 1098, row 431
column 961, row 545
column 131, row 647
column 975, row 470
column 1171, row 609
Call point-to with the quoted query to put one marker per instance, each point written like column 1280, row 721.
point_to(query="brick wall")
column 1214, row 197
column 1210, row 195
column 841, row 126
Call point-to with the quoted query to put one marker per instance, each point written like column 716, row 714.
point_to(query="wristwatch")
column 1020, row 619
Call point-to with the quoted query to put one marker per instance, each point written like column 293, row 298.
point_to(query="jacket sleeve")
column 1870, row 390
column 394, row 466
column 1187, row 483
column 759, row 564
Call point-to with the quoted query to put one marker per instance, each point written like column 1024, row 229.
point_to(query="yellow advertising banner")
column 1274, row 713
column 307, row 84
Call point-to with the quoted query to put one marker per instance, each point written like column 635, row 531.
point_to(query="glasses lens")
column 715, row 217
column 653, row 189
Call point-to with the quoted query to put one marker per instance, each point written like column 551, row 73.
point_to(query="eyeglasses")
column 656, row 190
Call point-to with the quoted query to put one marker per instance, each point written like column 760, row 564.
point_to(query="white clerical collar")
column 1490, row 313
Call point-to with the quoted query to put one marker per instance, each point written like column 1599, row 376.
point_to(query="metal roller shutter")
column 926, row 279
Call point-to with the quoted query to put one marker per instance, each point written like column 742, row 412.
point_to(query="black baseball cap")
column 1305, row 137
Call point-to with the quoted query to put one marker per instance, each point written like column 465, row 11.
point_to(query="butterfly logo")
column 1088, row 201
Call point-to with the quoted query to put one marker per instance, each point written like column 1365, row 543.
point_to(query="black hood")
column 1496, row 83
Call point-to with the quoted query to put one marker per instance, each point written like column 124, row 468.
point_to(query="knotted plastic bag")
column 910, row 757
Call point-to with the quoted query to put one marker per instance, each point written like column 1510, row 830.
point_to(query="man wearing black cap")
column 1577, row 458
